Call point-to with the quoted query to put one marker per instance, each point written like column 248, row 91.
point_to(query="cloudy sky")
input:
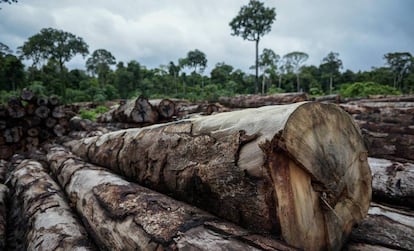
column 155, row 32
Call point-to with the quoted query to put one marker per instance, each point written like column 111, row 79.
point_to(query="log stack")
column 387, row 126
column 29, row 120
column 284, row 170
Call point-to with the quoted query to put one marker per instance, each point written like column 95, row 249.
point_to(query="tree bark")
column 138, row 111
column 286, row 169
column 254, row 101
column 40, row 217
column 386, row 126
column 165, row 107
column 385, row 227
column 392, row 182
column 3, row 197
column 124, row 216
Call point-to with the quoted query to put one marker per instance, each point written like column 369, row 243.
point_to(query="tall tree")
column 295, row 60
column 268, row 63
column 53, row 44
column 400, row 64
column 221, row 73
column 253, row 22
column 196, row 60
column 330, row 66
column 99, row 63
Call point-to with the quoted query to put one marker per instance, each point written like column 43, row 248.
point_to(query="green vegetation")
column 364, row 89
column 104, row 78
column 92, row 114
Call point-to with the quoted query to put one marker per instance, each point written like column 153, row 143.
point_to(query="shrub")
column 364, row 89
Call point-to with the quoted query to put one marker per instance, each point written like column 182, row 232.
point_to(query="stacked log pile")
column 29, row 120
column 387, row 125
column 272, row 178
column 142, row 112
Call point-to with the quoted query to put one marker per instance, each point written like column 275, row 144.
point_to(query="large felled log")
column 299, row 171
column 40, row 217
column 392, row 182
column 385, row 227
column 252, row 101
column 124, row 216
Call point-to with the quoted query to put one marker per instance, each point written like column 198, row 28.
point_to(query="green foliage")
column 88, row 114
column 253, row 21
column 364, row 89
column 6, row 95
column 92, row 114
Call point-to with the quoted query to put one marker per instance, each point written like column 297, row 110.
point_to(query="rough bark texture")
column 40, row 218
column 138, row 111
column 3, row 213
column 392, row 182
column 287, row 169
column 124, row 216
column 385, row 227
column 253, row 101
column 387, row 126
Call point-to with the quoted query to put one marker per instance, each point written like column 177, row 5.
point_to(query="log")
column 121, row 215
column 138, row 111
column 387, row 127
column 165, row 107
column 15, row 108
column 385, row 227
column 299, row 171
column 253, row 101
column 42, row 111
column 40, row 217
column 3, row 197
column 27, row 95
column 392, row 182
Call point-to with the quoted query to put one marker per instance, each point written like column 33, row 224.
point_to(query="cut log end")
column 323, row 176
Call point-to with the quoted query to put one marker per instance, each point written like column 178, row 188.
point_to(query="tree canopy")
column 99, row 63
column 252, row 22
column 53, row 44
column 295, row 60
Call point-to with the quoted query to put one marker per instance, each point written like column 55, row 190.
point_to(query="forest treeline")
column 105, row 78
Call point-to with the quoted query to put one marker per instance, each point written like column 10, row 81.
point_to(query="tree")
column 4, row 50
column 268, row 63
column 295, row 60
column 99, row 64
column 8, row 1
column 400, row 64
column 53, row 44
column 330, row 66
column 11, row 72
column 252, row 23
column 221, row 73
column 196, row 60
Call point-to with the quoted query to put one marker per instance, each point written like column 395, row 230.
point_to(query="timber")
column 253, row 101
column 385, row 227
column 40, row 217
column 392, row 182
column 121, row 215
column 285, row 170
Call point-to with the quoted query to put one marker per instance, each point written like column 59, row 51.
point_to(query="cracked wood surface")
column 121, row 215
column 40, row 218
column 299, row 171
